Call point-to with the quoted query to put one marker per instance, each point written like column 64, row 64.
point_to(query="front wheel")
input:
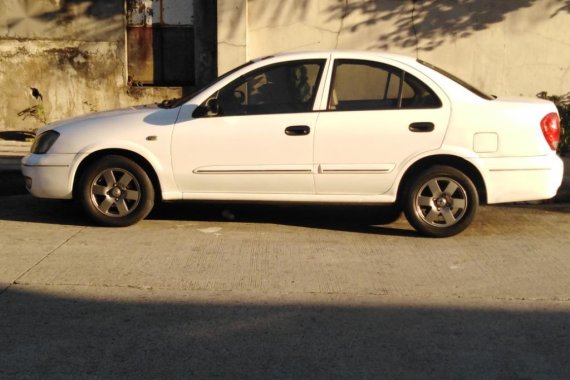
column 440, row 202
column 115, row 191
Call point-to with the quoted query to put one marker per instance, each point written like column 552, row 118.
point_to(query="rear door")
column 377, row 116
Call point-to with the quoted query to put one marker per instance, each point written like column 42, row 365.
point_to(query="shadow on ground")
column 17, row 205
column 362, row 219
column 12, row 183
column 46, row 336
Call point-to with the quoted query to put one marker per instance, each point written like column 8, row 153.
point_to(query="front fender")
column 158, row 158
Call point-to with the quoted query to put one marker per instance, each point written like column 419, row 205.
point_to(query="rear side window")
column 364, row 85
column 416, row 94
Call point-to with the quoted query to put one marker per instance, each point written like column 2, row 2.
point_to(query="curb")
column 11, row 153
column 14, row 148
column 10, row 163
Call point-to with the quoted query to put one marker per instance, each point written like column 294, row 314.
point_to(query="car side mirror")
column 211, row 108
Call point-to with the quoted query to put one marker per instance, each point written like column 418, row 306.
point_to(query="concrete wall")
column 507, row 47
column 232, row 34
column 72, row 52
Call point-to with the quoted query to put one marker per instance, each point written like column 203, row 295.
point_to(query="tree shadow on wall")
column 565, row 7
column 428, row 23
column 431, row 22
column 55, row 15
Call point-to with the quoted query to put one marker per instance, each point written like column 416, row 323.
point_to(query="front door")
column 257, row 139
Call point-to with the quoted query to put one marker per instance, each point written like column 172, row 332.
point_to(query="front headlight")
column 43, row 142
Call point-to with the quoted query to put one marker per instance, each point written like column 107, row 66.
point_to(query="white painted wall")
column 232, row 34
column 507, row 47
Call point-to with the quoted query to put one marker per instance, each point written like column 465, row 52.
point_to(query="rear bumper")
column 523, row 178
column 49, row 175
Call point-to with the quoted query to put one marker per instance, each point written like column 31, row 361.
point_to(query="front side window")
column 281, row 88
column 363, row 85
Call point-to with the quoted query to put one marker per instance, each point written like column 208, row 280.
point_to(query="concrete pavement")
column 282, row 293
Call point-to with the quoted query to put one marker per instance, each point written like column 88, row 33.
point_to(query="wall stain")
column 72, row 56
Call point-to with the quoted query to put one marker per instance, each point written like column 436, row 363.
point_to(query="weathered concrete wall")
column 507, row 47
column 232, row 34
column 72, row 52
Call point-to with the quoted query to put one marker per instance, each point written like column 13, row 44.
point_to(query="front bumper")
column 49, row 175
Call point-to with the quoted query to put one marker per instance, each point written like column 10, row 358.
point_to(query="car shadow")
column 375, row 220
column 360, row 219
column 383, row 220
column 25, row 208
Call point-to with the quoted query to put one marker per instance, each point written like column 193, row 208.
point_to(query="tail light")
column 550, row 126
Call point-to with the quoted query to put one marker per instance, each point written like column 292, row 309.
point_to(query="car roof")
column 347, row 53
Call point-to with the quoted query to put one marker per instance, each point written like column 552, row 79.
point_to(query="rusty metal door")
column 160, row 42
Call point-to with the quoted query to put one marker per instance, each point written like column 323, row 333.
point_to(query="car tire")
column 442, row 201
column 115, row 191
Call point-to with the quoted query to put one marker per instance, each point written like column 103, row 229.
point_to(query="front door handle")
column 421, row 127
column 297, row 130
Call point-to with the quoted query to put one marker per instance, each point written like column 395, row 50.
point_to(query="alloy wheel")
column 441, row 202
column 115, row 192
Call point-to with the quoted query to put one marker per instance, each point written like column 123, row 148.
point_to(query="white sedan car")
column 323, row 127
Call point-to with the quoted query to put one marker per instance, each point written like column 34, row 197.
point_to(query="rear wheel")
column 440, row 202
column 115, row 191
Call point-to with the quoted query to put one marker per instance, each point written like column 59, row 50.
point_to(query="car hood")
column 128, row 124
column 135, row 113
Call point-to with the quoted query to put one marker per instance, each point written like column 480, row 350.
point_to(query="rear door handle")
column 421, row 127
column 297, row 130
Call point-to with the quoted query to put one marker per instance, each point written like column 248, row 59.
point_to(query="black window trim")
column 321, row 61
column 390, row 69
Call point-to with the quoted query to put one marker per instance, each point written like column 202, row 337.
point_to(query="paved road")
column 282, row 292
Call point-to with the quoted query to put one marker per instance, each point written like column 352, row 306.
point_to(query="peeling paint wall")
column 63, row 58
column 507, row 47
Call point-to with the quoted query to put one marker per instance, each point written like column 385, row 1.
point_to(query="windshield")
column 173, row 103
column 459, row 81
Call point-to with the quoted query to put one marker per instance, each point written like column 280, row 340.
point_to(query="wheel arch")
column 456, row 162
column 137, row 158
